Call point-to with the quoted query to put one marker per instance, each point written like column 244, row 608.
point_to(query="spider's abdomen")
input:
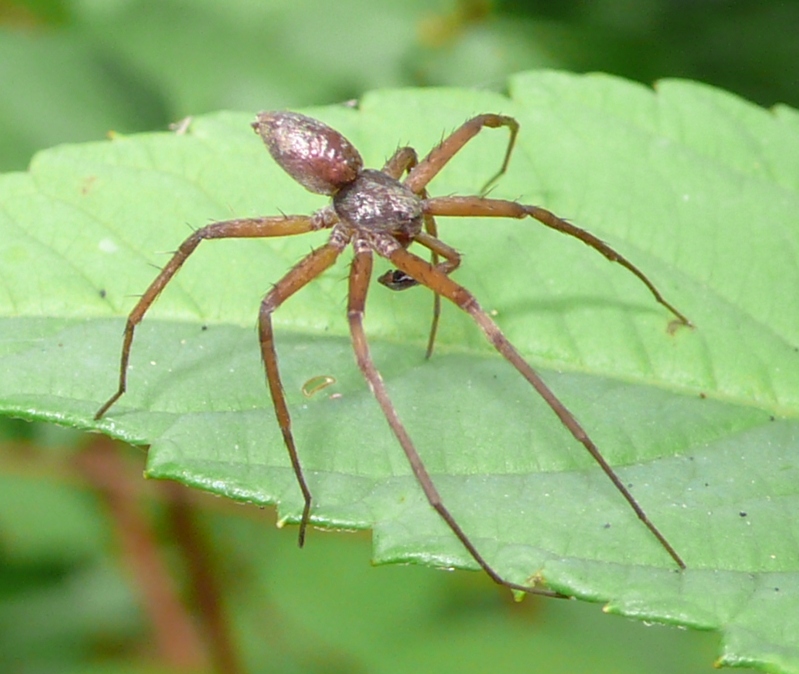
column 375, row 201
column 315, row 155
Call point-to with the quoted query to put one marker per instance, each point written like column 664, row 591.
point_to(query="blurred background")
column 72, row 70
column 100, row 571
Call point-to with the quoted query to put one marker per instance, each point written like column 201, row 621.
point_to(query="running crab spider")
column 383, row 212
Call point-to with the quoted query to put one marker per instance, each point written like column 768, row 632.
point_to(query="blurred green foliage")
column 73, row 70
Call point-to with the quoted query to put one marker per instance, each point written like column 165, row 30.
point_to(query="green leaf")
column 695, row 186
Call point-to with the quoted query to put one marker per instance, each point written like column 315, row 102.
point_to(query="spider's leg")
column 360, row 274
column 428, row 168
column 439, row 282
column 394, row 279
column 229, row 229
column 500, row 208
column 399, row 280
column 405, row 159
column 306, row 270
column 431, row 232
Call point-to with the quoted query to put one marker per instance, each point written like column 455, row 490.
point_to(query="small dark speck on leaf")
column 742, row 513
column 87, row 184
column 204, row 327
column 102, row 293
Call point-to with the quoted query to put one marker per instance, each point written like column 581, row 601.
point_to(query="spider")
column 384, row 212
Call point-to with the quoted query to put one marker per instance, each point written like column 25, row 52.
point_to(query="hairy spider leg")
column 405, row 159
column 421, row 173
column 360, row 275
column 305, row 271
column 437, row 281
column 431, row 165
column 243, row 228
column 482, row 207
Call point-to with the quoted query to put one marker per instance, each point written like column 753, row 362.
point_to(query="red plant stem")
column 175, row 637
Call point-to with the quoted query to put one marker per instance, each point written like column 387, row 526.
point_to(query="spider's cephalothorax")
column 375, row 201
column 385, row 212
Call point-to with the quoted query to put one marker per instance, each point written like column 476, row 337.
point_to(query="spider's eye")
column 315, row 155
